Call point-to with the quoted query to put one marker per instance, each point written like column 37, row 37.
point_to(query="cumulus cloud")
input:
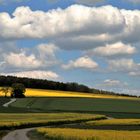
column 21, row 60
column 35, row 74
column 41, row 56
column 47, row 51
column 134, row 73
column 116, row 49
column 113, row 83
column 82, row 62
column 107, row 24
column 125, row 65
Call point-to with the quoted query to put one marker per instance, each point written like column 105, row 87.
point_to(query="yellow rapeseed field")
column 85, row 134
column 56, row 93
column 115, row 122
column 11, row 120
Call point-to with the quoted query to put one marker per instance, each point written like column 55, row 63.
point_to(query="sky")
column 92, row 42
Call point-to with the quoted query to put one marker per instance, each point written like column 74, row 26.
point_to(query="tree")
column 5, row 90
column 18, row 90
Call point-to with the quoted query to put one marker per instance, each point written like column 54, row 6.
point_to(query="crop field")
column 67, row 104
column 56, row 93
column 11, row 109
column 86, row 134
column 9, row 121
column 109, row 124
column 115, row 122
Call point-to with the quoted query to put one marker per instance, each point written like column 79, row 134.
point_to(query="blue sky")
column 92, row 42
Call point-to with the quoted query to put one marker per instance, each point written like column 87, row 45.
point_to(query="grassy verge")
column 84, row 134
column 3, row 133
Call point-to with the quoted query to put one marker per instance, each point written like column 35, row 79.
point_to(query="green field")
column 123, row 108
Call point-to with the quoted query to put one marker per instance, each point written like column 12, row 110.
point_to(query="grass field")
column 98, row 105
column 85, row 134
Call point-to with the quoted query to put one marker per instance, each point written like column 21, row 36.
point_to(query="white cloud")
column 35, row 74
column 40, row 56
column 107, row 24
column 125, row 65
column 113, row 83
column 21, row 60
column 134, row 73
column 47, row 51
column 116, row 49
column 82, row 62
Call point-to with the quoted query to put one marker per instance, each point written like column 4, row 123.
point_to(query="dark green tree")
column 18, row 90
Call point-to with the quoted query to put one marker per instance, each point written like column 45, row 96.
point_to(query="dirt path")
column 8, row 103
column 21, row 134
column 18, row 134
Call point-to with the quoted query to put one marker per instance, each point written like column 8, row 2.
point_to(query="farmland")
column 85, row 134
column 56, row 93
column 74, row 114
column 21, row 120
column 115, row 107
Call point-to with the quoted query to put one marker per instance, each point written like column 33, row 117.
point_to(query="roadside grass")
column 3, row 100
column 85, row 134
column 3, row 133
column 14, row 121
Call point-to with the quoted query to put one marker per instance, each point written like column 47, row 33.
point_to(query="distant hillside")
column 47, row 84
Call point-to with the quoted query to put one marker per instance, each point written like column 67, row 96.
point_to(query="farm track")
column 10, row 102
column 20, row 134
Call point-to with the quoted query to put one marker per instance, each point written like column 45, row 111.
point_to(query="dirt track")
column 18, row 134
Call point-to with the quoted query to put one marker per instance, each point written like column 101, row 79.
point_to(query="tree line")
column 7, row 81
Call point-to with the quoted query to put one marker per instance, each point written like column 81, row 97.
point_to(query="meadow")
column 83, row 134
column 112, row 107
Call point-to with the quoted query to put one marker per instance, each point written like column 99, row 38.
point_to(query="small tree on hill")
column 18, row 90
